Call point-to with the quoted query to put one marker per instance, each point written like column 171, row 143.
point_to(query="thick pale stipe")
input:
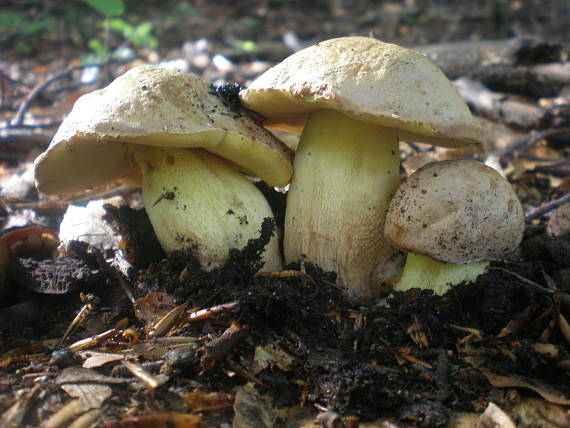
column 345, row 174
column 428, row 274
column 199, row 201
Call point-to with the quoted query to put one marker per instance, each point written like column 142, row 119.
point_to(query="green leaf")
column 139, row 35
column 98, row 49
column 40, row 25
column 107, row 7
column 119, row 25
column 11, row 20
column 246, row 45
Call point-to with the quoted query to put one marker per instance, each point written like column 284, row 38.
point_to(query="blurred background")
column 240, row 32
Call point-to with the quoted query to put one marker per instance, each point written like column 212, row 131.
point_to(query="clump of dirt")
column 140, row 242
column 182, row 276
column 403, row 356
column 412, row 355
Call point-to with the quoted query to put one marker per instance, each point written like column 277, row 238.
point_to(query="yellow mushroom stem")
column 429, row 274
column 198, row 201
column 346, row 171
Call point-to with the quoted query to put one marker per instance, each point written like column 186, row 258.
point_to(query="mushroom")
column 354, row 97
column 190, row 148
column 452, row 217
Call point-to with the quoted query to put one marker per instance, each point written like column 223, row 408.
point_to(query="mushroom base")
column 346, row 172
column 198, row 201
column 428, row 274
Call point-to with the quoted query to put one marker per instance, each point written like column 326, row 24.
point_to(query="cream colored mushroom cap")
column 153, row 106
column 457, row 211
column 364, row 78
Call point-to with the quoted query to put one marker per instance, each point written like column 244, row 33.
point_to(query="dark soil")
column 413, row 357
column 405, row 356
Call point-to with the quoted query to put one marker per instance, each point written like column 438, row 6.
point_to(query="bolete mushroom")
column 190, row 148
column 452, row 217
column 354, row 97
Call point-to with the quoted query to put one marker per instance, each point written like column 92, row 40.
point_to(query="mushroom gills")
column 198, row 201
column 428, row 274
column 346, row 171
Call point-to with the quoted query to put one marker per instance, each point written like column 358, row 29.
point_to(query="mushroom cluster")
column 186, row 147
column 453, row 217
column 354, row 98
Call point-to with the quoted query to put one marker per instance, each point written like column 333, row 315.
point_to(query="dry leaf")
column 518, row 381
column 98, row 359
column 90, row 395
column 87, row 224
column 31, row 241
column 495, row 417
column 161, row 420
column 535, row 413
column 270, row 356
column 252, row 410
column 199, row 401
column 151, row 308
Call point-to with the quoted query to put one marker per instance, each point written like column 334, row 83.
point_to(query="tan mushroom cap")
column 153, row 106
column 372, row 81
column 458, row 211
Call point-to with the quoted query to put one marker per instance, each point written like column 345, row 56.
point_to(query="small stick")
column 68, row 411
column 211, row 312
column 93, row 341
column 523, row 143
column 241, row 371
column 564, row 327
column 90, row 303
column 535, row 285
column 218, row 348
column 546, row 208
column 141, row 374
column 18, row 119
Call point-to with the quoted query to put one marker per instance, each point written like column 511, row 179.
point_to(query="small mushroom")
column 354, row 98
column 190, row 148
column 453, row 217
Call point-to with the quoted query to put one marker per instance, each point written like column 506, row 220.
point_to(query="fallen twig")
column 218, row 348
column 90, row 303
column 14, row 139
column 18, row 119
column 150, row 381
column 94, row 340
column 32, row 126
column 524, row 143
column 203, row 314
column 546, row 208
column 241, row 371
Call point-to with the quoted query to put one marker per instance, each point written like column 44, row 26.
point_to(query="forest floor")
column 286, row 349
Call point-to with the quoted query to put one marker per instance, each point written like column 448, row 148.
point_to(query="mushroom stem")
column 199, row 201
column 429, row 274
column 346, row 171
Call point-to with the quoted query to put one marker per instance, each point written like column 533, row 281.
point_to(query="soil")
column 407, row 356
column 288, row 349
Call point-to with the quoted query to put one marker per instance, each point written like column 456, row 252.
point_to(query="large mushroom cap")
column 153, row 106
column 376, row 82
column 458, row 211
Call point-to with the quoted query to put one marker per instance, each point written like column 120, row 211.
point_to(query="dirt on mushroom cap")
column 457, row 211
column 158, row 107
column 376, row 82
